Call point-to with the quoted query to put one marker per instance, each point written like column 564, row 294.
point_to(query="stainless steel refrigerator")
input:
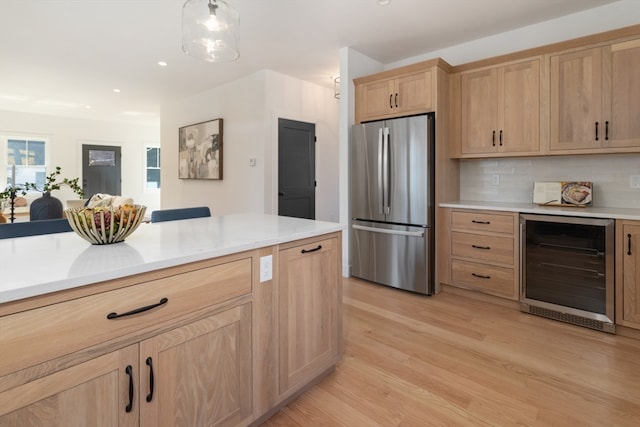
column 392, row 202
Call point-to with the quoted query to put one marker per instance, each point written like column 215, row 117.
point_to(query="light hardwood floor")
column 450, row 360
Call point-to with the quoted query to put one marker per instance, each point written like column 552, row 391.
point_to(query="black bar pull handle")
column 115, row 315
column 500, row 137
column 475, row 221
column 391, row 101
column 628, row 244
column 481, row 247
column 606, row 130
column 396, row 100
column 597, row 139
column 481, row 276
column 493, row 138
column 149, row 363
column 129, row 371
column 306, row 251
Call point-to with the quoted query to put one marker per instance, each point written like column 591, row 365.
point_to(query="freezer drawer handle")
column 306, row 251
column 395, row 232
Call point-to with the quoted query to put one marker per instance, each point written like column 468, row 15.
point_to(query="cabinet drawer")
column 48, row 332
column 498, row 281
column 482, row 247
column 482, row 221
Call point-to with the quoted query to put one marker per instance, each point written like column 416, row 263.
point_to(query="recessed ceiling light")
column 162, row 63
column 384, row 2
column 116, row 90
column 87, row 107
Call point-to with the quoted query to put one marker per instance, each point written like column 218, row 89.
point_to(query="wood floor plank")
column 451, row 360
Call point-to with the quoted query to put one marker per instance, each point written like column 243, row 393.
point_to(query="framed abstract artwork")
column 200, row 150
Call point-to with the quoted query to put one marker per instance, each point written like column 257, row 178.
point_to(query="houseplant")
column 48, row 207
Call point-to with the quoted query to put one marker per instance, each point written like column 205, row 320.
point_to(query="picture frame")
column 200, row 150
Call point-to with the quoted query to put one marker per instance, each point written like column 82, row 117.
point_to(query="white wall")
column 250, row 108
column 241, row 106
column 294, row 99
column 66, row 136
column 622, row 13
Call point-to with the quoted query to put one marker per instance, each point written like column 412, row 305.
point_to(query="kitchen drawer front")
column 492, row 249
column 498, row 281
column 41, row 334
column 483, row 221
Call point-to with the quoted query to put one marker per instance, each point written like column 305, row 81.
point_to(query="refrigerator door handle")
column 385, row 169
column 386, row 231
column 380, row 177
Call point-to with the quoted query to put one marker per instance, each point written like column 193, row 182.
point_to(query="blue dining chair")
column 181, row 213
column 34, row 228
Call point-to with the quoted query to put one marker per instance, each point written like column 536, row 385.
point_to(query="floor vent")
column 571, row 318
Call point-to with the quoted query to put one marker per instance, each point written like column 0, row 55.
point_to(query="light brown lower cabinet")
column 484, row 252
column 197, row 355
column 308, row 310
column 628, row 273
column 199, row 374
column 195, row 375
column 92, row 393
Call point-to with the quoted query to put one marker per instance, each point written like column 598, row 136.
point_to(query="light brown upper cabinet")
column 500, row 110
column 394, row 97
column 595, row 95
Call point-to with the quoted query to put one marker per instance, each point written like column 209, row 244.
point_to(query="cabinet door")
column 628, row 301
column 576, row 100
column 413, row 94
column 200, row 373
column 375, row 100
column 479, row 108
column 308, row 311
column 622, row 94
column 92, row 393
column 519, row 107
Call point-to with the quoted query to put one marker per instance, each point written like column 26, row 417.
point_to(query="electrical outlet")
column 634, row 181
column 266, row 268
column 495, row 179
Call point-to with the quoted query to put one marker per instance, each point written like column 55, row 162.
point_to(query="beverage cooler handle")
column 380, row 177
column 385, row 171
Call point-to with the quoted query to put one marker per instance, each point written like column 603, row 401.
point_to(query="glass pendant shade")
column 210, row 30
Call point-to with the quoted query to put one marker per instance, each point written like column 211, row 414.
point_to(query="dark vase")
column 45, row 207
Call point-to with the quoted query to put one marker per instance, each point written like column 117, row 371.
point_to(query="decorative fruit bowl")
column 103, row 225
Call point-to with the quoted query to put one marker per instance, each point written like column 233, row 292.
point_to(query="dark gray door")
column 101, row 169
column 296, row 169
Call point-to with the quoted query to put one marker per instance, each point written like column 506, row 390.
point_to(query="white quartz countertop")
column 590, row 212
column 31, row 266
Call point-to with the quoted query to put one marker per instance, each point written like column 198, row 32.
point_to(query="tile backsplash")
column 610, row 175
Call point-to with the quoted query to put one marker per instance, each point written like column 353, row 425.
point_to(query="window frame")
column 4, row 154
column 145, row 188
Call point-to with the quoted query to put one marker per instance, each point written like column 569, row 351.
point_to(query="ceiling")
column 60, row 56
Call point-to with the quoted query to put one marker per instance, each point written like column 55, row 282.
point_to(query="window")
column 29, row 158
column 152, row 179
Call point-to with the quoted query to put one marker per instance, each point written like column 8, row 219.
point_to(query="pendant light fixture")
column 210, row 30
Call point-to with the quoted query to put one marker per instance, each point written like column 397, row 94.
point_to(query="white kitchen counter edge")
column 33, row 266
column 589, row 212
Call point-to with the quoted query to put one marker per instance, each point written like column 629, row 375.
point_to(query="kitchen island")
column 178, row 325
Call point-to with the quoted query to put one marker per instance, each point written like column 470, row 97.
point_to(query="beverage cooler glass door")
column 393, row 255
